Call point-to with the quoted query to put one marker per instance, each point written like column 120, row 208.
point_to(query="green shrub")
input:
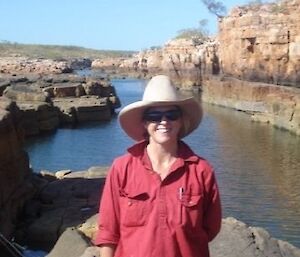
column 56, row 51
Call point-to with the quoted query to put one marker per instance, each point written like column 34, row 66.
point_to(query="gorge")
column 252, row 65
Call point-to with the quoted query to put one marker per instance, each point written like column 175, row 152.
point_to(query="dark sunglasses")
column 156, row 116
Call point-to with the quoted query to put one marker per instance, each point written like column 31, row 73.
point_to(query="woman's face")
column 163, row 123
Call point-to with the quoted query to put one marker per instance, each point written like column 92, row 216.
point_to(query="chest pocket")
column 134, row 208
column 191, row 210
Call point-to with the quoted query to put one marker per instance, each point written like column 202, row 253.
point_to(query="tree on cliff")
column 215, row 7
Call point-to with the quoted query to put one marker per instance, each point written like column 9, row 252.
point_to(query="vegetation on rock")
column 8, row 49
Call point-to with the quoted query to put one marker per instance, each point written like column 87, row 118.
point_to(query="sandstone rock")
column 277, row 105
column 25, row 93
column 91, row 252
column 83, row 109
column 61, row 174
column 237, row 239
column 39, row 117
column 3, row 85
column 234, row 240
column 264, row 40
column 77, row 246
column 68, row 217
column 26, row 65
column 15, row 185
column 71, row 201
column 89, row 227
column 49, row 101
column 79, row 64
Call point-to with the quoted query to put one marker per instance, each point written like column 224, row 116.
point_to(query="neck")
column 162, row 153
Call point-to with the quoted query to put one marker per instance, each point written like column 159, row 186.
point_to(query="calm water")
column 257, row 167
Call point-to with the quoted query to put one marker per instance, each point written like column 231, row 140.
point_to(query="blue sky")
column 102, row 24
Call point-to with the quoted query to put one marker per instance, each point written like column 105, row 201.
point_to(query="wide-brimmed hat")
column 160, row 91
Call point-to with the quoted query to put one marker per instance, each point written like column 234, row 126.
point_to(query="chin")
column 165, row 139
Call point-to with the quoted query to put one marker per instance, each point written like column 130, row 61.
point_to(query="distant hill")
column 8, row 49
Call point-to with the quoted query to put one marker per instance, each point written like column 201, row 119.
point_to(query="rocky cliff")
column 15, row 183
column 262, row 43
column 250, row 65
column 186, row 61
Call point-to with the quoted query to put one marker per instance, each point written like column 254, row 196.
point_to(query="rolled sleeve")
column 109, row 211
column 213, row 212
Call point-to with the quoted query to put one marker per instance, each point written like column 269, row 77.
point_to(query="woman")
column 160, row 199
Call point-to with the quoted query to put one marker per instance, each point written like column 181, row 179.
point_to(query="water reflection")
column 258, row 169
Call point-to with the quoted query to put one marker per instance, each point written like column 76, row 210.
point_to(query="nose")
column 164, row 119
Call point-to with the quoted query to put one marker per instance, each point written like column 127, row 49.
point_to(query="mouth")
column 164, row 130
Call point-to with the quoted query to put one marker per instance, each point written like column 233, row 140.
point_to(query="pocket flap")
column 134, row 194
column 191, row 200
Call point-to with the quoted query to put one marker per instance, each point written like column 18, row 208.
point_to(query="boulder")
column 78, row 244
column 234, row 240
column 69, row 201
column 237, row 239
column 78, row 110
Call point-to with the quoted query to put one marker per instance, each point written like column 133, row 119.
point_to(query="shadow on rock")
column 64, row 200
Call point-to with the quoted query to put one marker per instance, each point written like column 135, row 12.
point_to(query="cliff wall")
column 262, row 43
column 277, row 105
column 249, row 66
column 185, row 61
column 15, row 182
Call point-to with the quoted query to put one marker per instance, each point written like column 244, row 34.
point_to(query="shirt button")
column 191, row 202
column 129, row 203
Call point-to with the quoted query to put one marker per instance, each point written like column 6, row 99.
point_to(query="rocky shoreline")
column 60, row 210
column 251, row 66
column 62, row 218
column 50, row 101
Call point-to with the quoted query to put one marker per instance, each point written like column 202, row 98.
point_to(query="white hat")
column 159, row 92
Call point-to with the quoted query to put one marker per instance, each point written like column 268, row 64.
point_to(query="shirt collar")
column 184, row 152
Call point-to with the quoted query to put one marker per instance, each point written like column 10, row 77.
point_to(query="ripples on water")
column 257, row 166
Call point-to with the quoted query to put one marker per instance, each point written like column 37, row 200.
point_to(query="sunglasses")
column 157, row 116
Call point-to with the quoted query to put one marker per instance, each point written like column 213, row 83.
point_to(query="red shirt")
column 146, row 216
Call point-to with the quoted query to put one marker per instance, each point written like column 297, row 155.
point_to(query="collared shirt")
column 146, row 216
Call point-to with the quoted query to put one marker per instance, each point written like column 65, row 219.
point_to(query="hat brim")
column 131, row 116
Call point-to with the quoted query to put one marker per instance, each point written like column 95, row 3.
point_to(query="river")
column 257, row 166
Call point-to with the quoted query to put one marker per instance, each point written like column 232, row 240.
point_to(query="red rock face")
column 262, row 43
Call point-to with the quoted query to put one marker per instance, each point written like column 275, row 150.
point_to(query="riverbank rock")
column 65, row 200
column 50, row 101
column 265, row 40
column 235, row 239
column 186, row 61
column 277, row 105
column 64, row 221
column 39, row 114
column 15, row 175
column 21, row 65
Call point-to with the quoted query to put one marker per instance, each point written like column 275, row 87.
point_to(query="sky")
column 102, row 24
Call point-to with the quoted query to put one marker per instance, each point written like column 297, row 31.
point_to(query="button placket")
column 162, row 211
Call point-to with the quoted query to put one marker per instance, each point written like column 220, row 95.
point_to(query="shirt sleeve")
column 212, row 205
column 109, row 211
